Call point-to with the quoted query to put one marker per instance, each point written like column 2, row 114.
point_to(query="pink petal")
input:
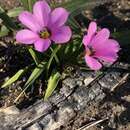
column 101, row 37
column 26, row 36
column 92, row 28
column 87, row 39
column 91, row 31
column 108, row 45
column 29, row 21
column 59, row 16
column 113, row 44
column 108, row 58
column 41, row 11
column 107, row 51
column 61, row 35
column 93, row 63
column 42, row 45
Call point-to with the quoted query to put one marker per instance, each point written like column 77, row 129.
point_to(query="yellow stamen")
column 88, row 52
column 45, row 34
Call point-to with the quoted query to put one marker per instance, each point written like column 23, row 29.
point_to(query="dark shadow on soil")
column 118, row 97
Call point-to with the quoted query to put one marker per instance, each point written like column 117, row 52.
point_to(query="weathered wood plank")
column 72, row 99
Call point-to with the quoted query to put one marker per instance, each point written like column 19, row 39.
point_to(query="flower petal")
column 26, row 36
column 113, row 44
column 42, row 45
column 93, row 63
column 92, row 28
column 29, row 21
column 91, row 31
column 107, row 51
column 59, row 16
column 61, row 35
column 87, row 39
column 107, row 56
column 41, row 11
column 100, row 38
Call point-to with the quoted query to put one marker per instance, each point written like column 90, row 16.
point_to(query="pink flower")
column 99, row 47
column 44, row 26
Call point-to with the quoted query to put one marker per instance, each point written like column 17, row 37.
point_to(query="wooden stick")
column 87, row 126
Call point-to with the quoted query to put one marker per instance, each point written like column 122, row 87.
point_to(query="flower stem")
column 51, row 58
column 34, row 56
column 56, row 57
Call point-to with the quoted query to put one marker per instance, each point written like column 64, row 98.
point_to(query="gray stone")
column 70, row 82
column 45, row 121
column 35, row 126
column 64, row 115
column 63, row 105
column 10, row 110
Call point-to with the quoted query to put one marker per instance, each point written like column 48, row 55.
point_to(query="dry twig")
column 87, row 126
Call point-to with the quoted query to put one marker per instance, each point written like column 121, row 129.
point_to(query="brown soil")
column 9, row 4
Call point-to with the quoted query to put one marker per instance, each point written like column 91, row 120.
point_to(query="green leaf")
column 34, row 75
column 33, row 54
column 52, row 3
column 74, row 24
column 74, row 5
column 4, row 31
column 52, row 56
column 52, row 84
column 31, row 3
column 14, row 78
column 7, row 21
column 15, row 12
column 25, row 4
column 28, row 4
column 55, row 56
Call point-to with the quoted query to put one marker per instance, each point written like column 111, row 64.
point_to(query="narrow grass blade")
column 14, row 78
column 25, row 4
column 73, row 5
column 28, row 4
column 74, row 24
column 4, row 31
column 52, row 84
column 56, row 57
column 52, row 56
column 34, row 75
column 34, row 56
column 7, row 21
column 15, row 12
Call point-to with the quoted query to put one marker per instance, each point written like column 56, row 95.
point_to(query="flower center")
column 90, row 51
column 45, row 34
